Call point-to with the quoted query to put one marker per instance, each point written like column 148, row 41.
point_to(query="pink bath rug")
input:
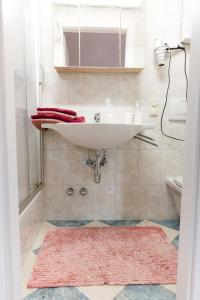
column 104, row 255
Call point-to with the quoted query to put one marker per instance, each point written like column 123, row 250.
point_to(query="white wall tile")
column 57, row 203
column 52, row 140
column 149, row 204
column 168, row 206
column 127, row 171
column 80, row 173
column 150, row 166
column 81, row 89
column 172, row 164
column 174, row 129
column 56, row 167
column 132, row 144
column 127, row 199
column 106, row 88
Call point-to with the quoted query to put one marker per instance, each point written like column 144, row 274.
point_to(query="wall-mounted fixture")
column 93, row 36
column 112, row 130
column 177, row 109
column 153, row 109
column 96, row 164
column 160, row 52
column 97, row 117
column 163, row 51
column 83, row 191
column 70, row 191
column 146, row 139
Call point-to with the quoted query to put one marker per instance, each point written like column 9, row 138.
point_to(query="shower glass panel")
column 26, row 100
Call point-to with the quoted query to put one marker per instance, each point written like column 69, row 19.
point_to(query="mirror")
column 99, row 37
column 98, row 48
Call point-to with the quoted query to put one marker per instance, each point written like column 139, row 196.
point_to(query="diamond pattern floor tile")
column 36, row 251
column 68, row 223
column 145, row 292
column 46, row 226
column 27, row 269
column 96, row 224
column 103, row 292
column 121, row 222
column 175, row 242
column 66, row 293
column 173, row 224
column 171, row 233
column 30, row 261
column 170, row 287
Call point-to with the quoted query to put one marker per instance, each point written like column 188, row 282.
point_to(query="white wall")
column 10, row 252
column 26, row 99
column 187, row 21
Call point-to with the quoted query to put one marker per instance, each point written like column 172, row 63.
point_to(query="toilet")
column 176, row 185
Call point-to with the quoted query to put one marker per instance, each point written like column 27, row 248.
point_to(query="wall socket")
column 153, row 109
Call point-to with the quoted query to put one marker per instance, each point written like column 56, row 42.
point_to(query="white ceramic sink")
column 97, row 136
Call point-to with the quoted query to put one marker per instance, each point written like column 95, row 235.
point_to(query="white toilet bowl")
column 176, row 184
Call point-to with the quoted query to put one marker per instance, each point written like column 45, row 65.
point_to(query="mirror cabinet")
column 97, row 38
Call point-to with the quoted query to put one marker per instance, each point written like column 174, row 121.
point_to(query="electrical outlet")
column 153, row 109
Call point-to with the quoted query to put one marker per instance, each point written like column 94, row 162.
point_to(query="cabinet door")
column 67, row 35
column 187, row 22
column 99, row 36
column 132, row 37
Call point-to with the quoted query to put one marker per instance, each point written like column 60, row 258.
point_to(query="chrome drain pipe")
column 97, row 169
column 99, row 161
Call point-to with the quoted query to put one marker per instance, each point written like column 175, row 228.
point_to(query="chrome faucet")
column 97, row 117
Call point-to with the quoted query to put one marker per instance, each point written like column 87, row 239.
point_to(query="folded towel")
column 38, row 122
column 56, row 109
column 55, row 114
column 59, row 117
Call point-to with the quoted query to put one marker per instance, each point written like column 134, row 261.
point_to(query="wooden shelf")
column 97, row 70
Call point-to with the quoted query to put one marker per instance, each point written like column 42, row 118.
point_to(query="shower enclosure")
column 27, row 97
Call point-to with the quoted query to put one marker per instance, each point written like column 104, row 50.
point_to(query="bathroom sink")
column 103, row 135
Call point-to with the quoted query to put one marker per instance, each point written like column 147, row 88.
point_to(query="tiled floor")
column 131, row 292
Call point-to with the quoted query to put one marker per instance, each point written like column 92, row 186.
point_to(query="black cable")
column 168, row 87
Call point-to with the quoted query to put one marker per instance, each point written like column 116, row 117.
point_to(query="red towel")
column 59, row 117
column 56, row 109
column 55, row 114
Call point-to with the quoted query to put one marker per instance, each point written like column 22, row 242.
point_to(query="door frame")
column 10, row 270
column 189, row 247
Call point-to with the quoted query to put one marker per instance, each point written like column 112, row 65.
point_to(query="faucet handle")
column 97, row 117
